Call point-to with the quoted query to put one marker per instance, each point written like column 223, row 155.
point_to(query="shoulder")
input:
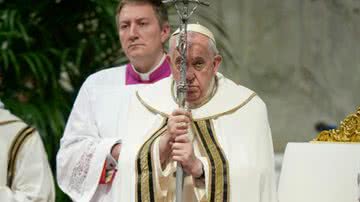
column 12, row 127
column 109, row 76
column 243, row 98
column 256, row 100
column 157, row 97
column 5, row 116
column 253, row 107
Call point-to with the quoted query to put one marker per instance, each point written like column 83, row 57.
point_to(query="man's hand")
column 175, row 143
column 115, row 151
column 177, row 125
column 183, row 153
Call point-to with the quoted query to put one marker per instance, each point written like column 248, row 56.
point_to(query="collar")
column 211, row 92
column 157, row 73
column 228, row 98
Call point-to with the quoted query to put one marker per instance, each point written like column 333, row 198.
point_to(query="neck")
column 144, row 65
column 146, row 76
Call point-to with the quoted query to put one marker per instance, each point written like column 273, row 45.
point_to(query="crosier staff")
column 184, row 9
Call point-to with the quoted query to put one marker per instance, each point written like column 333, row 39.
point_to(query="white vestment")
column 97, row 121
column 231, row 136
column 23, row 158
column 95, row 124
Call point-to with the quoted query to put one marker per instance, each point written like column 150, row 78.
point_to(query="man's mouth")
column 135, row 45
column 191, row 90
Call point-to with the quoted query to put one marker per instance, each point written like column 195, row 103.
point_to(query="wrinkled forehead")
column 194, row 39
column 197, row 45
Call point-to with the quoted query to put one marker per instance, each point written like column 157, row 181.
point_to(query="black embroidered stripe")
column 213, row 171
column 224, row 162
column 14, row 149
column 151, row 188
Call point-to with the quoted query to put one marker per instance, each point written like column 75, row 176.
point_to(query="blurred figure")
column 25, row 174
column 90, row 147
column 321, row 126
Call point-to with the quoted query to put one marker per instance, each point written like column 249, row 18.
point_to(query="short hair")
column 159, row 8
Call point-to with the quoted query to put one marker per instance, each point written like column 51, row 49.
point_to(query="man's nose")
column 133, row 34
column 190, row 75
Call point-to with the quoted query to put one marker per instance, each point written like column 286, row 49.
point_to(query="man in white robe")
column 223, row 143
column 90, row 147
column 25, row 174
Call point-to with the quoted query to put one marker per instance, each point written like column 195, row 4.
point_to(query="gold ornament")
column 349, row 131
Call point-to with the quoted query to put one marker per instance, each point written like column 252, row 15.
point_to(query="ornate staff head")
column 184, row 9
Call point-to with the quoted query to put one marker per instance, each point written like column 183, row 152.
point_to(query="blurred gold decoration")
column 349, row 131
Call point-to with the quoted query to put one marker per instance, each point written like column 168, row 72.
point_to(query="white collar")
column 146, row 76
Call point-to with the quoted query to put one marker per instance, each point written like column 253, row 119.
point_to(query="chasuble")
column 25, row 174
column 231, row 137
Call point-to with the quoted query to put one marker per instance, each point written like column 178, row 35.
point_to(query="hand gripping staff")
column 184, row 9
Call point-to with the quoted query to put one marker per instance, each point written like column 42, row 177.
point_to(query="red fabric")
column 107, row 176
column 103, row 175
column 161, row 72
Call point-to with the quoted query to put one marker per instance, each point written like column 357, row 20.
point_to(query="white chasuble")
column 231, row 137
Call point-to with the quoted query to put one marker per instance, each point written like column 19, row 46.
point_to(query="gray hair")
column 174, row 41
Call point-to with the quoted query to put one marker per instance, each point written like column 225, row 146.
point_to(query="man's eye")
column 143, row 23
column 199, row 66
column 123, row 26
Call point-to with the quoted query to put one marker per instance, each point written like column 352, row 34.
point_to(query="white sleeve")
column 83, row 151
column 33, row 180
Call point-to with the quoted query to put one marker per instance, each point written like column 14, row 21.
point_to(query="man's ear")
column 217, row 62
column 165, row 32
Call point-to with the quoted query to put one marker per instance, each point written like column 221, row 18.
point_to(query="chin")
column 191, row 100
column 136, row 52
column 136, row 57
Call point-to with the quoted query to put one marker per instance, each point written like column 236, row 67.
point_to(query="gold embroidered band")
column 14, row 150
column 8, row 122
column 145, row 188
column 219, row 187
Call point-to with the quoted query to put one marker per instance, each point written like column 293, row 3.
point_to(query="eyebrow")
column 136, row 19
column 198, row 58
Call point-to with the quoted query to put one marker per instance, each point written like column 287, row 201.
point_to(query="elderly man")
column 90, row 147
column 223, row 141
column 25, row 173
